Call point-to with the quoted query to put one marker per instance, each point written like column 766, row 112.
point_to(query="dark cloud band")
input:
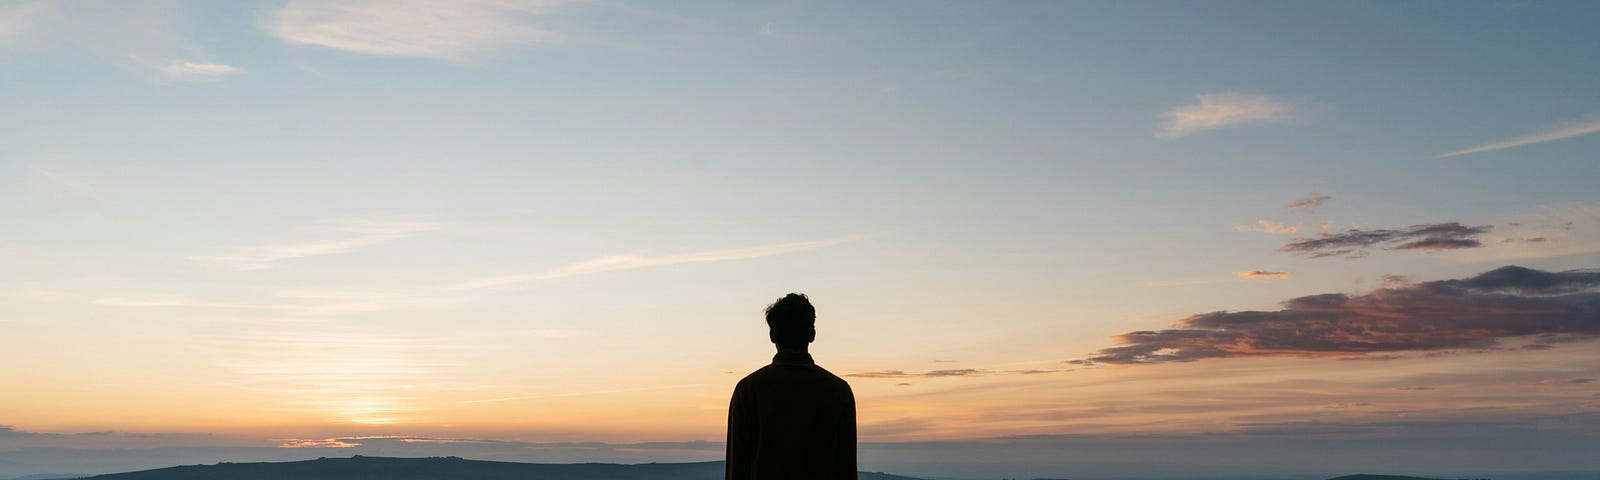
column 1356, row 242
column 1310, row 203
column 1474, row 312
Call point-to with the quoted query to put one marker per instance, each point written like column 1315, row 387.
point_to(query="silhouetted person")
column 792, row 419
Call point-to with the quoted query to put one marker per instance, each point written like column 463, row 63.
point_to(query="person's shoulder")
column 833, row 379
column 756, row 376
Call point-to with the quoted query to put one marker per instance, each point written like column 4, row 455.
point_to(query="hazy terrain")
column 441, row 468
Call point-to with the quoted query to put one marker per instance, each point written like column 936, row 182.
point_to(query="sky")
column 1085, row 239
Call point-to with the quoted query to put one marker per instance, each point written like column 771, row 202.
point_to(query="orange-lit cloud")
column 1472, row 313
column 1259, row 274
column 323, row 443
column 353, row 442
column 963, row 372
column 1267, row 226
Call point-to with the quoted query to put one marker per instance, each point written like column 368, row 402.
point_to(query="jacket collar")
column 792, row 358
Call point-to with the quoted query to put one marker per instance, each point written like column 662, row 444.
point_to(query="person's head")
column 791, row 321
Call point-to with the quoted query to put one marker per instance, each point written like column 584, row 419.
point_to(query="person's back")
column 791, row 419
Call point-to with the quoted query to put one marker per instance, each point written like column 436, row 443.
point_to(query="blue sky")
column 286, row 221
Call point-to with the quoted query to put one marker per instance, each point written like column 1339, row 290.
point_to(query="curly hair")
column 792, row 319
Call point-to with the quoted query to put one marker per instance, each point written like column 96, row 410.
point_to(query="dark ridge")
column 1365, row 476
column 439, row 468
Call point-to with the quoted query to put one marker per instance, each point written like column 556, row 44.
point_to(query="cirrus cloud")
column 360, row 233
column 630, row 261
column 197, row 72
column 1548, row 134
column 1225, row 109
column 144, row 36
column 411, row 28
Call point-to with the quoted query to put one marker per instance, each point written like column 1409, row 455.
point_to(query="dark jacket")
column 792, row 419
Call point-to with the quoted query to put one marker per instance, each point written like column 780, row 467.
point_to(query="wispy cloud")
column 1356, row 242
column 774, row 32
column 300, row 302
column 60, row 179
column 1183, row 282
column 42, row 294
column 1215, row 279
column 1268, row 226
column 1470, row 313
column 1310, row 203
column 948, row 373
column 17, row 19
column 1543, row 231
column 355, row 376
column 1218, row 110
column 1263, row 275
column 624, row 262
column 142, row 35
column 559, row 333
column 318, row 443
column 1548, row 134
column 366, row 233
column 962, row 372
column 142, row 302
column 495, row 281
column 579, row 393
column 183, row 71
column 353, row 442
column 413, row 28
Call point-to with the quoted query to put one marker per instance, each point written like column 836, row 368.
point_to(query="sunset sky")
column 1086, row 239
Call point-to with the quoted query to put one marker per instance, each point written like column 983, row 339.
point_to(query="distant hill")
column 455, row 468
column 438, row 468
column 1365, row 476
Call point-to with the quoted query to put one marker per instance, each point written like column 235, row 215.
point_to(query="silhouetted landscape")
column 455, row 468
column 799, row 239
column 1380, row 477
column 439, row 468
